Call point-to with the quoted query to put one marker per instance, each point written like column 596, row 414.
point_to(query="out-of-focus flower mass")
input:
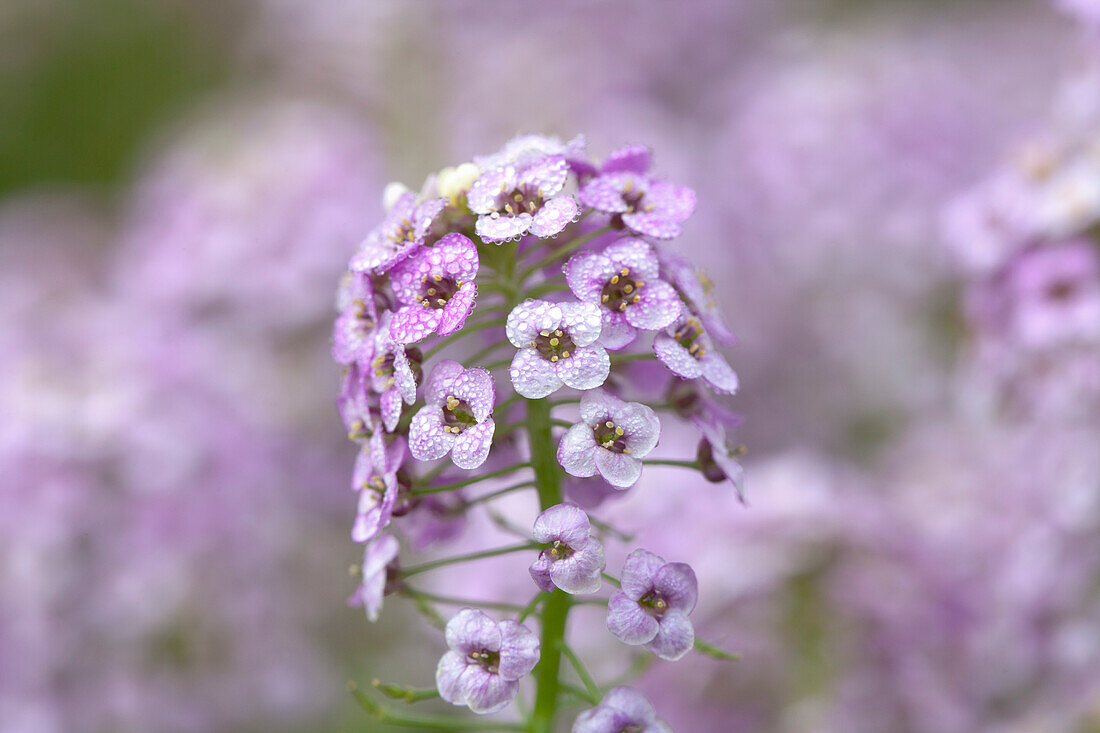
column 769, row 403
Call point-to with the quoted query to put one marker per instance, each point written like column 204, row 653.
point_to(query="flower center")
column 487, row 659
column 633, row 197
column 457, row 415
column 520, row 201
column 358, row 430
column 689, row 335
column 1061, row 290
column 654, row 604
column 632, row 728
column 554, row 345
column 611, row 437
column 437, row 291
column 621, row 290
column 558, row 550
column 383, row 365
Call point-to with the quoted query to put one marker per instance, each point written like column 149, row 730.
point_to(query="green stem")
column 433, row 722
column 671, row 462
column 466, row 331
column 556, row 608
column 561, row 252
column 467, row 482
column 589, row 684
column 624, row 358
column 433, row 564
column 452, row 601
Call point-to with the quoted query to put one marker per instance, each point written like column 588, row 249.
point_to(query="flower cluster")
column 531, row 272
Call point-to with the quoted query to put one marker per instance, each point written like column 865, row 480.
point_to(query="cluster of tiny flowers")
column 582, row 296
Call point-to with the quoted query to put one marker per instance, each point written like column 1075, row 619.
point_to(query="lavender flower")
column 456, row 418
column 513, row 200
column 436, row 289
column 635, row 201
column 378, row 573
column 376, row 478
column 621, row 709
column 653, row 606
column 393, row 372
column 557, row 345
column 573, row 560
column 358, row 317
column 612, row 439
column 485, row 662
column 687, row 350
column 398, row 236
column 697, row 291
column 623, row 280
column 717, row 460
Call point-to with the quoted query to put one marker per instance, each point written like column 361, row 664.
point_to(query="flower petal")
column 540, row 573
column 448, row 673
column 458, row 308
column 676, row 582
column 618, row 469
column 597, row 405
column 580, row 572
column 519, row 650
column 628, row 622
column 472, row 630
column 615, row 332
column 529, row 318
column 497, row 228
column 485, row 192
column 547, row 175
column 487, row 693
column 576, row 452
column 564, row 523
column 390, row 407
column 674, row 356
column 414, row 323
column 554, row 216
column 652, row 223
column 641, row 428
column 427, row 439
column 718, row 373
column 636, row 254
column 587, row 368
column 582, row 321
column 587, row 273
column 476, row 387
column 657, row 308
column 532, row 376
column 631, row 158
column 640, row 571
column 674, row 638
column 471, row 446
column 603, row 194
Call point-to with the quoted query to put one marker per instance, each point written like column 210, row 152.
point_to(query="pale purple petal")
column 603, row 194
column 414, row 323
column 631, row 159
column 498, row 228
column 458, row 308
column 597, row 405
column 447, row 676
column 631, row 702
column 554, row 216
column 487, row 693
column 564, row 523
column 718, row 372
column 587, row 273
column 440, row 380
column 653, row 224
column 472, row 630
column 635, row 254
column 476, row 387
column 677, row 584
column 529, row 318
column 639, row 572
column 540, row 573
column 675, row 203
column 628, row 622
column 576, row 452
column 641, row 426
column 403, row 376
column 374, row 512
column 615, row 332
column 618, row 469
column 425, row 214
column 395, row 454
column 658, row 307
column 587, row 368
column 427, row 440
column 580, row 572
column 519, row 650
column 532, row 376
column 674, row 356
column 390, row 407
column 674, row 638
column 582, row 322
column 547, row 176
column 471, row 446
column 486, row 190
column 601, row 720
column 452, row 256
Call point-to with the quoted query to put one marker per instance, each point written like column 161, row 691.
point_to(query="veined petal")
column 529, row 318
column 471, row 446
column 637, row 255
column 554, row 216
column 581, row 320
column 628, row 622
column 657, row 308
column 498, row 228
column 675, row 636
column 674, row 356
column 532, row 376
column 414, row 323
column 586, row 274
column 427, row 439
column 587, row 368
column 576, row 452
column 618, row 469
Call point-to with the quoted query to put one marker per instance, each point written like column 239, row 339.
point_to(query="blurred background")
column 899, row 206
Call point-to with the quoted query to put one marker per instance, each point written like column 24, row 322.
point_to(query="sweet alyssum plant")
column 569, row 265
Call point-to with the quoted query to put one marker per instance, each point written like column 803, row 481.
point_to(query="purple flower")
column 697, row 291
column 456, row 418
column 514, row 199
column 612, row 439
column 358, row 317
column 653, row 606
column 392, row 372
column 485, row 662
column 717, row 460
column 355, row 409
column 622, row 709
column 573, row 559
column 375, row 477
column 435, row 288
column 687, row 350
column 523, row 150
column 398, row 236
column 556, row 343
column 623, row 280
column 378, row 574
column 635, row 200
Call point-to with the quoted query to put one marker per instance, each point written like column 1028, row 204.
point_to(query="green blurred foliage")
column 83, row 82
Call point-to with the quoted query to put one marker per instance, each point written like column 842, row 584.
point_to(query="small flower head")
column 687, row 350
column 653, row 606
column 435, row 288
column 379, row 485
column 572, row 560
column 622, row 709
column 399, row 235
column 485, row 662
column 516, row 199
column 377, row 575
column 636, row 201
column 457, row 417
column 611, row 440
column 623, row 281
column 557, row 345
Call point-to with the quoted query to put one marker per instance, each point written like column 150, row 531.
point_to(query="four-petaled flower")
column 392, row 372
column 485, row 662
column 436, row 289
column 621, row 709
column 557, row 345
column 635, row 200
column 572, row 559
column 612, row 439
column 376, row 479
column 456, row 418
column 515, row 199
column 688, row 351
column 377, row 575
column 398, row 236
column 623, row 281
column 653, row 606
